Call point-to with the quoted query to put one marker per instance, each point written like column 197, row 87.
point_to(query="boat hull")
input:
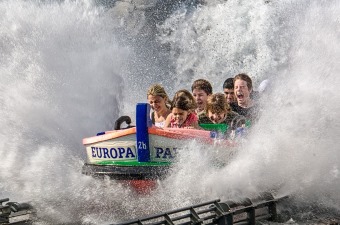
column 146, row 152
column 117, row 172
column 115, row 154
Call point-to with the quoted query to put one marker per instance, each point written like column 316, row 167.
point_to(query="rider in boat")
column 228, row 89
column 201, row 89
column 217, row 111
column 185, row 93
column 160, row 104
column 245, row 106
column 182, row 115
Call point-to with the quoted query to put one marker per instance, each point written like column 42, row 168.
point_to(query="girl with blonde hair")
column 160, row 104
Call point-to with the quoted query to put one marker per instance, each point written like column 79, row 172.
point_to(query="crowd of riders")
column 235, row 107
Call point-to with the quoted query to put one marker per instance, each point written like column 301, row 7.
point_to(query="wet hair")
column 183, row 103
column 229, row 83
column 217, row 103
column 185, row 93
column 158, row 90
column 202, row 84
column 246, row 78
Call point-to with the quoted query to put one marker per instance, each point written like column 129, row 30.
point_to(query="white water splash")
column 294, row 148
column 64, row 77
column 60, row 80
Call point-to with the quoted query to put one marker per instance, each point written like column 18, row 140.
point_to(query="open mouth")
column 239, row 96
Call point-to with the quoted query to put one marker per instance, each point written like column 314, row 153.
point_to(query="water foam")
column 64, row 77
column 293, row 149
column 60, row 81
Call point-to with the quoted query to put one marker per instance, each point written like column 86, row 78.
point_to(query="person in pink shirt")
column 182, row 115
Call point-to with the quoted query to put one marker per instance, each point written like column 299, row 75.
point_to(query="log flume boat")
column 145, row 152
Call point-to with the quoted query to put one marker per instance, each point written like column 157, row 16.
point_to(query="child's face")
column 179, row 115
column 242, row 92
column 216, row 117
column 200, row 97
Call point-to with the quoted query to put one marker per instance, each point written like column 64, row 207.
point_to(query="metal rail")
column 215, row 212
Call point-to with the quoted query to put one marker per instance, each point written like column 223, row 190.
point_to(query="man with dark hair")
column 228, row 89
column 245, row 106
column 201, row 89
